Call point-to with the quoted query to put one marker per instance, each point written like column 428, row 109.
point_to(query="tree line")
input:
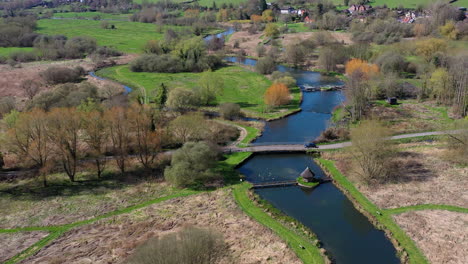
column 65, row 136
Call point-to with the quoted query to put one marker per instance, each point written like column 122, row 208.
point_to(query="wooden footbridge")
column 274, row 184
column 285, row 183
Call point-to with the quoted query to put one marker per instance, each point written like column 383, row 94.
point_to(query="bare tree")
column 147, row 140
column 371, row 151
column 357, row 94
column 27, row 138
column 460, row 81
column 30, row 88
column 64, row 125
column 96, row 135
column 119, row 131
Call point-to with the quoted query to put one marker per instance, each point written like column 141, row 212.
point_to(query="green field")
column 91, row 15
column 208, row 3
column 241, row 86
column 128, row 37
column 7, row 51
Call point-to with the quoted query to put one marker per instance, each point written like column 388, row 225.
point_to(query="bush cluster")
column 189, row 246
column 66, row 95
column 56, row 74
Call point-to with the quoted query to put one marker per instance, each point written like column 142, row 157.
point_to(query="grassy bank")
column 308, row 254
column 419, row 207
column 302, row 182
column 241, row 86
column 383, row 217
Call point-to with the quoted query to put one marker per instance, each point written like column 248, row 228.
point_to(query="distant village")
column 358, row 11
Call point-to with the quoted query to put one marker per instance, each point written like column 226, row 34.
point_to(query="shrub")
column 181, row 99
column 230, row 111
column 7, row 103
column 391, row 62
column 107, row 52
column 192, row 164
column 189, row 246
column 23, row 56
column 77, row 47
column 66, row 95
column 333, row 134
column 265, row 65
column 55, row 74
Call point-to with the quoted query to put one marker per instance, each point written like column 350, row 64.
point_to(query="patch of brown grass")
column 13, row 243
column 441, row 235
column 422, row 176
column 10, row 82
column 24, row 202
column 112, row 240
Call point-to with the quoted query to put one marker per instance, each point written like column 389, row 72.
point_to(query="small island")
column 307, row 179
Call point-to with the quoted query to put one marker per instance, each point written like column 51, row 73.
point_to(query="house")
column 308, row 175
column 409, row 17
column 308, row 20
column 286, row 11
column 358, row 8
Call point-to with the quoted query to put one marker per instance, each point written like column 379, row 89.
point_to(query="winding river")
column 346, row 234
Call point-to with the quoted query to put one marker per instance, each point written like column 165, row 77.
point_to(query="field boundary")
column 421, row 207
column 57, row 230
column 299, row 244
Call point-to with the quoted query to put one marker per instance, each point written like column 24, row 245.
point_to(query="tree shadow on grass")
column 409, row 167
column 32, row 189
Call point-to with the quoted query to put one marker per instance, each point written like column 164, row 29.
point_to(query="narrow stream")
column 346, row 234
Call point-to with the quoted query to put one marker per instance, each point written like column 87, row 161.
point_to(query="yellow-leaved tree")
column 277, row 94
column 368, row 69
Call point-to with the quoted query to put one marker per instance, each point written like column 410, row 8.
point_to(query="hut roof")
column 307, row 174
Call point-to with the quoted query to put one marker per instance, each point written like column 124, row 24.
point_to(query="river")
column 345, row 233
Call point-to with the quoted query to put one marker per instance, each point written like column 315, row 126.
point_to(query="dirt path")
column 242, row 136
column 300, row 147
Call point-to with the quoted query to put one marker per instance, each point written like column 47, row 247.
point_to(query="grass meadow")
column 208, row 3
column 92, row 15
column 241, row 86
column 129, row 37
column 6, row 51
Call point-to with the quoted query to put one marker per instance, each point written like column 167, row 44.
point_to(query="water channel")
column 346, row 234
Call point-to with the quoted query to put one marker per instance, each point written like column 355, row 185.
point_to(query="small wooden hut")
column 308, row 175
column 392, row 100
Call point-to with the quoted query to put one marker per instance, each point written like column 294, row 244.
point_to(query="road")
column 300, row 147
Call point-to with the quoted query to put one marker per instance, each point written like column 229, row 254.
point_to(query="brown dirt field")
column 425, row 178
column 409, row 117
column 13, row 77
column 12, row 244
column 441, row 235
column 249, row 42
column 339, row 36
column 113, row 240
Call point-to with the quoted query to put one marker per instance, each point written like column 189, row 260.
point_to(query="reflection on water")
column 344, row 232
column 316, row 108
